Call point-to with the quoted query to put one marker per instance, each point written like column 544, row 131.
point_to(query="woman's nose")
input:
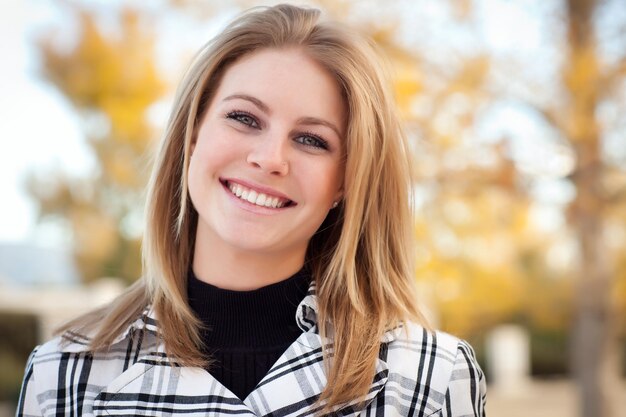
column 270, row 155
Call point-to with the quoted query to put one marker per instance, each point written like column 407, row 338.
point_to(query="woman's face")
column 266, row 165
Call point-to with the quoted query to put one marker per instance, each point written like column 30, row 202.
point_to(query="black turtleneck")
column 247, row 331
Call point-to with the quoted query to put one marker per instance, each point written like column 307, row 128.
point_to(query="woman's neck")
column 239, row 270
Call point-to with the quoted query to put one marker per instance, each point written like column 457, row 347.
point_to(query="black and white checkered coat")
column 418, row 374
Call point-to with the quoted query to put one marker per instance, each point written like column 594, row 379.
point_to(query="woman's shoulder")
column 70, row 356
column 412, row 342
column 67, row 364
column 437, row 363
column 77, row 342
column 415, row 337
column 67, row 350
column 67, row 342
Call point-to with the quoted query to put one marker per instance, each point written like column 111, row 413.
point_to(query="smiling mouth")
column 255, row 197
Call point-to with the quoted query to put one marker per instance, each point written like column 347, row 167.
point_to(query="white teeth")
column 251, row 196
column 277, row 203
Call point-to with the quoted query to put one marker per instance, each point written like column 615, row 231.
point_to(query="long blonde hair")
column 361, row 255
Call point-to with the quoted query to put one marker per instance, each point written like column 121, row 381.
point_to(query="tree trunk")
column 595, row 353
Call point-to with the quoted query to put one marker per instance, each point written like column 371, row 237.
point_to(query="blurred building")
column 24, row 265
column 45, row 283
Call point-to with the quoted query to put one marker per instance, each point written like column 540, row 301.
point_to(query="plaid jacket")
column 418, row 374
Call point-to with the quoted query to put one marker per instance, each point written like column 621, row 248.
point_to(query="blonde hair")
column 361, row 255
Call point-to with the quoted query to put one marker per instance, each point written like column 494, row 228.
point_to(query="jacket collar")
column 307, row 314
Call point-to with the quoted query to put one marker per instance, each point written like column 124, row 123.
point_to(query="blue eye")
column 314, row 141
column 243, row 118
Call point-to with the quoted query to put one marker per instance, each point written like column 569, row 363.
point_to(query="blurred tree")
column 110, row 79
column 472, row 214
column 473, row 226
column 589, row 82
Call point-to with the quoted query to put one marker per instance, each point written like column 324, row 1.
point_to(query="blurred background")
column 516, row 110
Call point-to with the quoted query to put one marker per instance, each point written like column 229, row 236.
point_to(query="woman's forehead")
column 285, row 75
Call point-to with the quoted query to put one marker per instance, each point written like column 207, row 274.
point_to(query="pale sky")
column 37, row 127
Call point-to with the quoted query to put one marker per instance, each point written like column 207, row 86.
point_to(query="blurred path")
column 551, row 398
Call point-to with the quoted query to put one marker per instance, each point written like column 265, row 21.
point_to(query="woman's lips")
column 256, row 196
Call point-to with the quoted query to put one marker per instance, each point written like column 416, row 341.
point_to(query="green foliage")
column 549, row 351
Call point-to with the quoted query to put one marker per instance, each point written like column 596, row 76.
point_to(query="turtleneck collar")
column 264, row 317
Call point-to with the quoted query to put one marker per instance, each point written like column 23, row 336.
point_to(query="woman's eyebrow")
column 251, row 99
column 265, row 108
column 316, row 121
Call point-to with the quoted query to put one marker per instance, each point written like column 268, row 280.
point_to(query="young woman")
column 277, row 251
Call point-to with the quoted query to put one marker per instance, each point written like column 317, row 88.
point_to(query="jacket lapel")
column 297, row 379
column 152, row 386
